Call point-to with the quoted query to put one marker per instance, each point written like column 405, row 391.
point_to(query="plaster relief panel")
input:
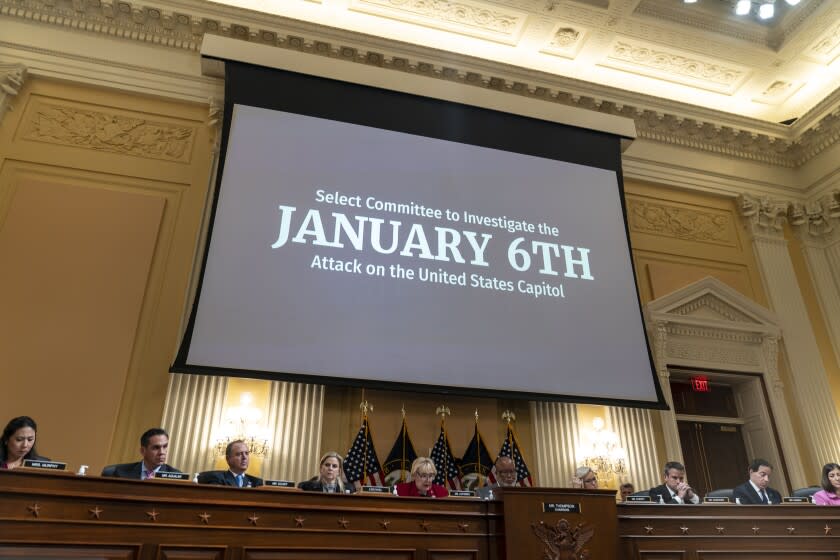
column 778, row 91
column 103, row 131
column 827, row 47
column 708, row 226
column 675, row 66
column 465, row 17
column 565, row 40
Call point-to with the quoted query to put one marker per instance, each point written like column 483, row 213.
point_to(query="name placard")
column 280, row 483
column 797, row 500
column 462, row 493
column 47, row 465
column 182, row 476
column 376, row 489
column 553, row 507
column 635, row 499
column 716, row 500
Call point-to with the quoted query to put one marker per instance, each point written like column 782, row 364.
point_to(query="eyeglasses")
column 592, row 480
column 426, row 475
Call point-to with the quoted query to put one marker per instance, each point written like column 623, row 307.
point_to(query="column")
column 555, row 441
column 817, row 225
column 668, row 418
column 764, row 221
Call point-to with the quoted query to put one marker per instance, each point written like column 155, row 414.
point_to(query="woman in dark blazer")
column 18, row 443
column 329, row 477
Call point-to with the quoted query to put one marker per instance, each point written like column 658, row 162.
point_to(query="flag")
column 476, row 462
column 510, row 448
column 361, row 465
column 448, row 473
column 398, row 463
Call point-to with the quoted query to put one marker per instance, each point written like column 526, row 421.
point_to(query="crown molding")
column 181, row 24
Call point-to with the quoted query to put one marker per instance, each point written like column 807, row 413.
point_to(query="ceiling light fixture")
column 766, row 10
column 743, row 7
column 792, row 2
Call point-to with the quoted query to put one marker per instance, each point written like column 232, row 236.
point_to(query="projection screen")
column 368, row 237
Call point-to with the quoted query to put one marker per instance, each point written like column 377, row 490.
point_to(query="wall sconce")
column 601, row 452
column 243, row 423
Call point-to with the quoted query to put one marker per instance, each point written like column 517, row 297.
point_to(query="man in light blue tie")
column 757, row 489
column 237, row 456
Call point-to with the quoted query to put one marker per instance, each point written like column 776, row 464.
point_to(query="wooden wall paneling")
column 69, row 551
column 435, row 554
column 294, row 553
column 191, row 552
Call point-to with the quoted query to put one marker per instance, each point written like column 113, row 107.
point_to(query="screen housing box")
column 216, row 49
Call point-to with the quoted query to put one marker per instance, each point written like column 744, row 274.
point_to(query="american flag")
column 510, row 448
column 448, row 473
column 361, row 465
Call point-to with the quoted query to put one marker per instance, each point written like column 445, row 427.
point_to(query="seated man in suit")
column 154, row 445
column 675, row 489
column 505, row 472
column 757, row 489
column 237, row 456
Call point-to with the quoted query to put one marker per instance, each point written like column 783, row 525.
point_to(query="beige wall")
column 101, row 200
column 101, row 195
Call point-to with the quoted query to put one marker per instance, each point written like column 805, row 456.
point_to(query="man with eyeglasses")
column 504, row 470
column 675, row 489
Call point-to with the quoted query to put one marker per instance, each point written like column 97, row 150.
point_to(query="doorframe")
column 710, row 326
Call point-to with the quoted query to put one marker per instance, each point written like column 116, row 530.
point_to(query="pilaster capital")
column 12, row 77
column 215, row 116
column 763, row 217
column 817, row 222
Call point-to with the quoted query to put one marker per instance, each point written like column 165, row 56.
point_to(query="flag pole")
column 477, row 450
column 443, row 410
column 365, row 406
column 402, row 447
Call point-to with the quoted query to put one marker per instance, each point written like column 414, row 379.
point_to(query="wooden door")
column 715, row 455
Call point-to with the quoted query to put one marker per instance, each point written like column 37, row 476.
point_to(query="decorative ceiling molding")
column 656, row 119
column 675, row 66
column 462, row 16
column 566, row 40
column 827, row 47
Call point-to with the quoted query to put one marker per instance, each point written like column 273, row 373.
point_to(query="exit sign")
column 700, row 384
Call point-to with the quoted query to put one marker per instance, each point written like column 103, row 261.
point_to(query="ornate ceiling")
column 701, row 54
column 712, row 94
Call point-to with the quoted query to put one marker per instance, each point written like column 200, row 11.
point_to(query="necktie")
column 149, row 474
column 240, row 479
column 764, row 498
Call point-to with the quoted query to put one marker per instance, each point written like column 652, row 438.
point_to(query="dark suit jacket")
column 314, row 485
column 748, row 495
column 226, row 478
column 662, row 490
column 132, row 470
